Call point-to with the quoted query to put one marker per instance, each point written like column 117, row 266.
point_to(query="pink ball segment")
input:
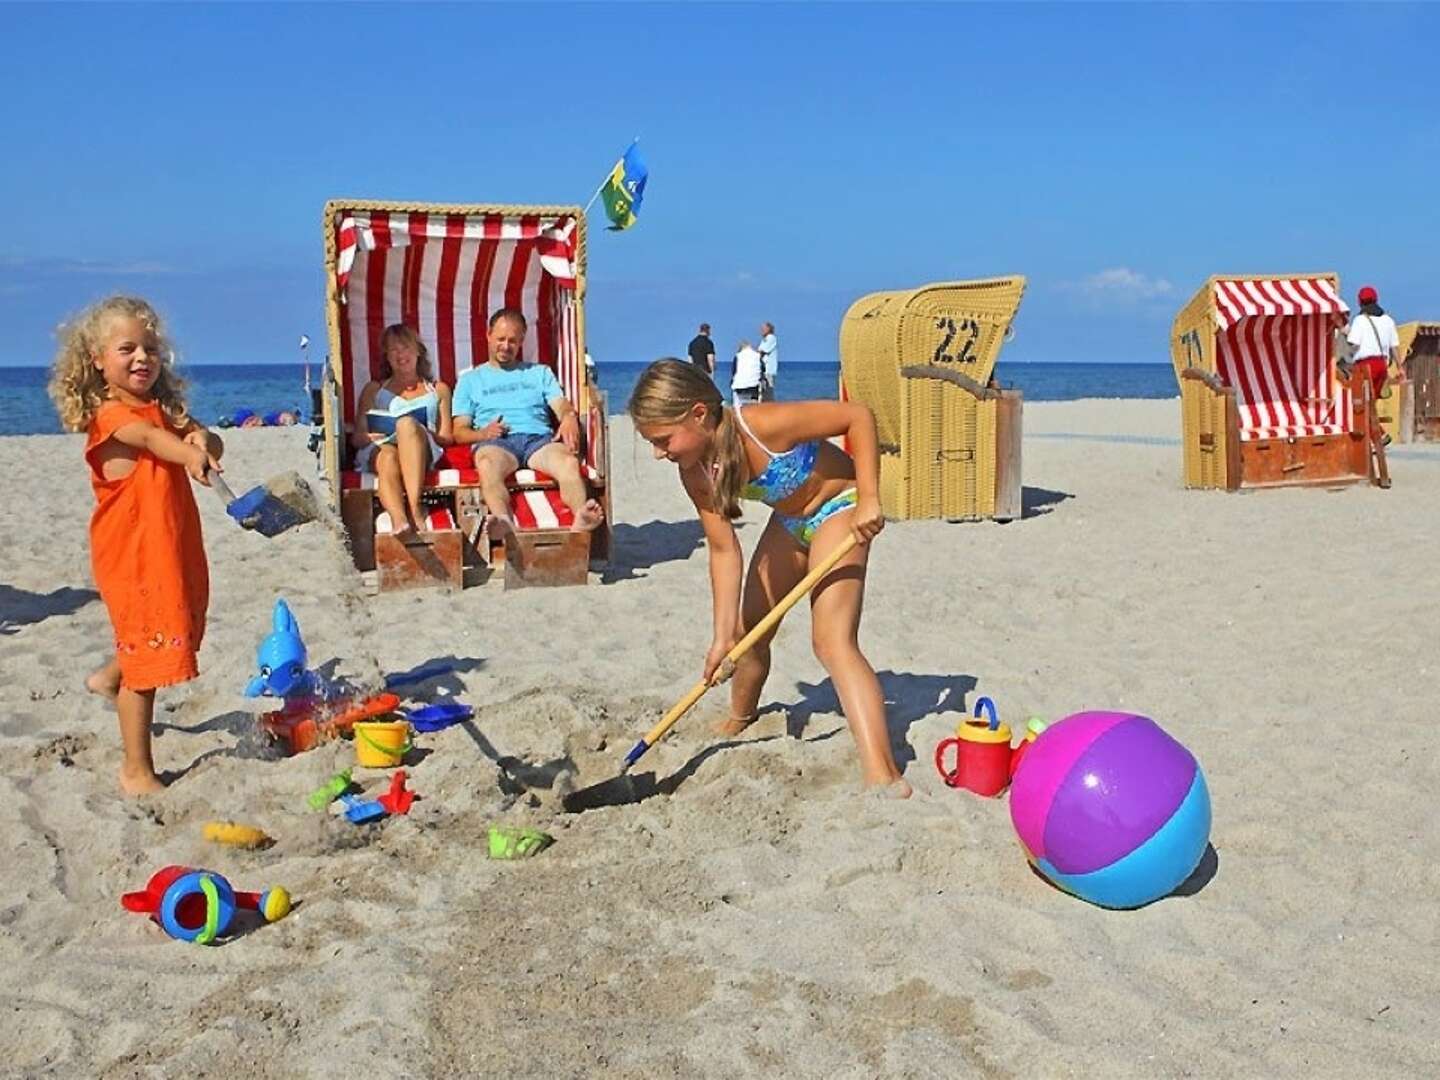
column 1111, row 808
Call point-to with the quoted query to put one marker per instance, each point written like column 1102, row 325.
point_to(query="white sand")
column 762, row 918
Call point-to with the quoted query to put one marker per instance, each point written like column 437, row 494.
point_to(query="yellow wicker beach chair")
column 922, row 359
column 1420, row 363
column 443, row 269
column 1262, row 402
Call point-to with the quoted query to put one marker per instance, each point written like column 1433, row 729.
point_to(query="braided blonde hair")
column 76, row 385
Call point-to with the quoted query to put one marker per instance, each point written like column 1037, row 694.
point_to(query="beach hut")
column 1262, row 402
column 1420, row 362
column 443, row 269
column 922, row 359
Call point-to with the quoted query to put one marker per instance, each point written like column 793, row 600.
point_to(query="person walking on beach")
column 113, row 380
column 702, row 350
column 778, row 454
column 770, row 360
column 748, row 375
column 1376, row 343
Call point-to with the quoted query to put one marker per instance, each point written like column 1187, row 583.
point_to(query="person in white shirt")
column 1374, row 337
column 770, row 358
column 745, row 382
column 1376, row 342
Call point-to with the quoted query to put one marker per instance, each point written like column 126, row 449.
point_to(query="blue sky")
column 800, row 156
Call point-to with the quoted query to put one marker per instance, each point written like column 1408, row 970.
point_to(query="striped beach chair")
column 1262, row 401
column 443, row 270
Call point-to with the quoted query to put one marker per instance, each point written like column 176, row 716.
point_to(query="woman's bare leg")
column 137, row 769
column 413, row 449
column 389, row 486
column 835, row 605
column 778, row 563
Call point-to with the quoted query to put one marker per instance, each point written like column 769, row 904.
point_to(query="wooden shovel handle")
column 221, row 487
column 760, row 629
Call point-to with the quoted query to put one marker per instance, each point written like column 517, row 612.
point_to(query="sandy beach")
column 761, row 916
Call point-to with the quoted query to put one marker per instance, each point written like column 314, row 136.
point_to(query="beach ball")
column 1110, row 808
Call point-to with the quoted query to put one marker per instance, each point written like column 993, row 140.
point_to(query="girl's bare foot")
column 589, row 517
column 891, row 787
column 135, row 782
column 104, row 681
column 733, row 725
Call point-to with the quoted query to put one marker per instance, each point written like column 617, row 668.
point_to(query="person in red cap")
column 1376, row 342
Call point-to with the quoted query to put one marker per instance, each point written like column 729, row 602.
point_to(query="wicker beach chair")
column 1420, row 388
column 1262, row 401
column 922, row 359
column 443, row 269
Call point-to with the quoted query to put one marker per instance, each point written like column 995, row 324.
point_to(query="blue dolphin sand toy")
column 281, row 658
column 280, row 503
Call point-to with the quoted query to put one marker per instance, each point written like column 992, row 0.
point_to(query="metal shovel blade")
column 617, row 791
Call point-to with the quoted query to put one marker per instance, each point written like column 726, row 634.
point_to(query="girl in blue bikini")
column 778, row 454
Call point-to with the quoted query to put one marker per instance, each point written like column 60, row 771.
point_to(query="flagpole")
column 601, row 188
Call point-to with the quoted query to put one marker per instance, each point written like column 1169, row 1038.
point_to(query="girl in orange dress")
column 113, row 380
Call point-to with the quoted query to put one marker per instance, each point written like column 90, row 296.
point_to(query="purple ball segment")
column 1111, row 808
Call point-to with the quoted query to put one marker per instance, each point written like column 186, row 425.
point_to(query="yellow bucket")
column 381, row 744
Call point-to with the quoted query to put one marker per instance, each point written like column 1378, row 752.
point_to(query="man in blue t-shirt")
column 503, row 409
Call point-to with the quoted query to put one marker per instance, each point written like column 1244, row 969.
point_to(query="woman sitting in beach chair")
column 401, row 425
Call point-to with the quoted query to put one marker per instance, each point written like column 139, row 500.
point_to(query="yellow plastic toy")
column 236, row 835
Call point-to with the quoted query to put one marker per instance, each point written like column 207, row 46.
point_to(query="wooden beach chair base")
column 1327, row 459
column 434, row 557
column 547, row 557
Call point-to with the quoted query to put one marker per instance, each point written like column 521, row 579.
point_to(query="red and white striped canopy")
column 1237, row 299
column 444, row 274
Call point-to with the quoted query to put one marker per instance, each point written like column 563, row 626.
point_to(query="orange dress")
column 148, row 556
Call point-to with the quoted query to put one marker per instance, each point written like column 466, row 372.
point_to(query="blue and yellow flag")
column 625, row 189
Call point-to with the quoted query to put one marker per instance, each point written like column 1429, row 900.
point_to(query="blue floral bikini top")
column 785, row 475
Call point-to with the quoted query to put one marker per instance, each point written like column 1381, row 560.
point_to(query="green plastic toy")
column 517, row 843
column 331, row 790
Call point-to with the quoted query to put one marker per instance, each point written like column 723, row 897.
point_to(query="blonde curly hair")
column 76, row 385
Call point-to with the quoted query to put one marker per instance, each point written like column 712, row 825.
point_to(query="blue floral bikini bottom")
column 803, row 528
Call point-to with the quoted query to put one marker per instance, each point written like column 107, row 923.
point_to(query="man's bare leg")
column 494, row 465
column 557, row 460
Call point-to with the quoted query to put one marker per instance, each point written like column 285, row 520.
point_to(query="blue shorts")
column 518, row 446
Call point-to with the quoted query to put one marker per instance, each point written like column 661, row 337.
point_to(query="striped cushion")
column 540, row 510
column 443, row 479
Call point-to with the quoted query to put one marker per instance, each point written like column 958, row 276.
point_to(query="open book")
column 381, row 422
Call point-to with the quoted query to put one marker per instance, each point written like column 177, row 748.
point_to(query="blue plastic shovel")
column 278, row 504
